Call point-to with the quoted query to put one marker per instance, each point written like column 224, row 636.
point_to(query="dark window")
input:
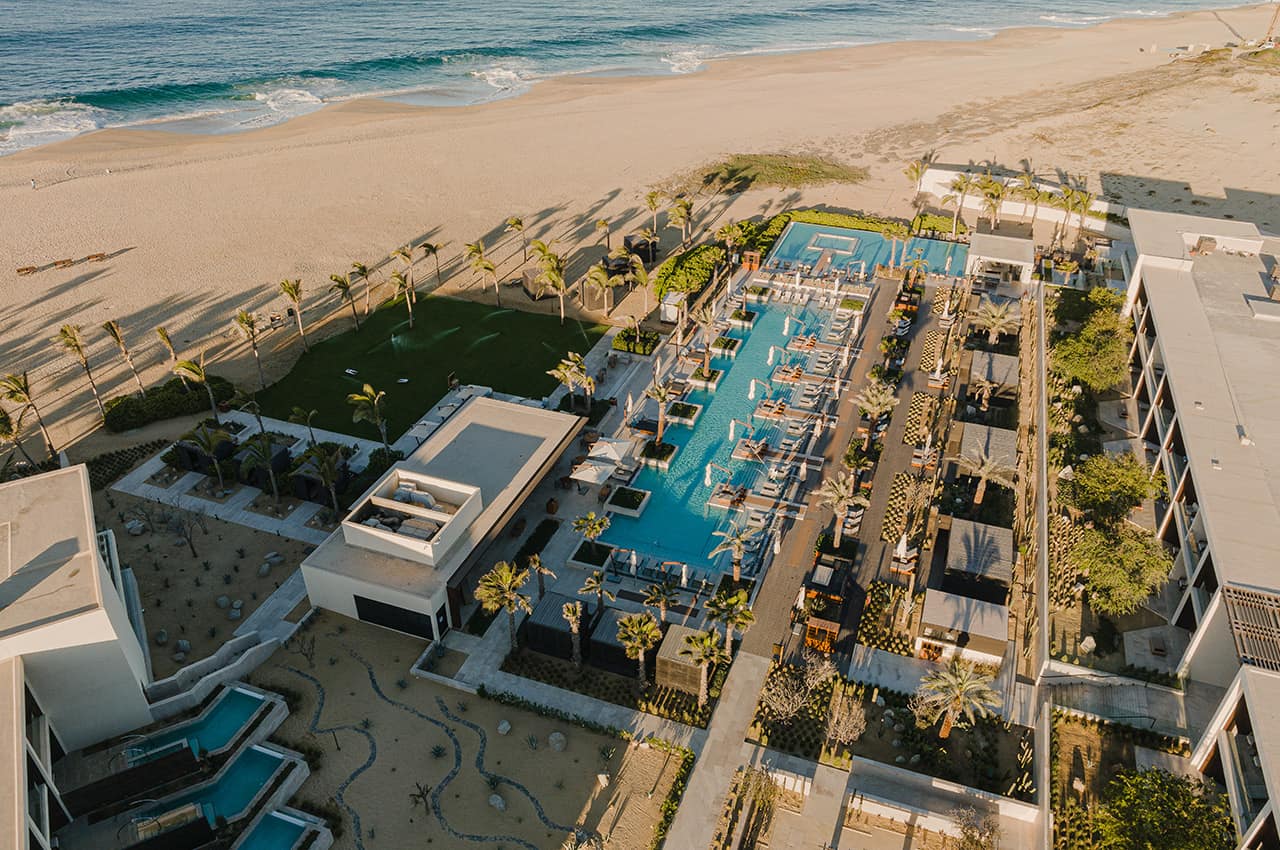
column 394, row 617
column 442, row 620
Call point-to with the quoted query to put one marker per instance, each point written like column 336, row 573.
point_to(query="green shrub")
column 690, row 271
column 932, row 221
column 170, row 399
column 644, row 343
column 107, row 467
column 760, row 236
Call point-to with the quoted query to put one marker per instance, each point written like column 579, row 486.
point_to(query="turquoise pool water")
column 677, row 525
column 274, row 832
column 248, row 774
column 804, row 243
column 211, row 732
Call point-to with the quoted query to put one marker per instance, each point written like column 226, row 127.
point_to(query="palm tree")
column 952, row 200
column 915, row 172
column 840, row 494
column 515, row 224
column 363, row 272
column 599, row 281
column 591, row 526
column 69, row 337
column 193, row 371
column 602, row 226
column 982, row 466
column 681, row 215
column 541, row 570
column 662, row 394
column 1083, row 204
column 705, row 318
column 993, row 195
column 302, row 416
column 328, row 469
column 485, row 267
column 112, row 327
column 11, row 432
column 729, row 234
column 404, row 286
column 259, row 455
column 432, row 250
column 17, row 389
column 897, row 232
column 163, row 333
column 572, row 613
column 996, row 319
column 640, row 279
column 572, row 373
column 958, row 690
column 730, row 609
column 661, row 595
column 594, row 585
column 962, row 184
column 552, row 280
column 982, row 389
column 735, row 541
column 247, row 324
column 405, row 255
column 368, row 408
column 1025, row 188
column 653, row 202
column 342, row 288
column 248, row 404
column 292, row 290
column 875, row 400
column 638, row 634
column 705, row 651
column 207, row 440
column 917, row 265
column 499, row 590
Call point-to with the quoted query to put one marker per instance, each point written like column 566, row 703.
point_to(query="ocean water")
column 68, row 66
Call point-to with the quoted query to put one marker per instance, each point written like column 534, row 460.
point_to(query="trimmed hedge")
column 688, row 272
column 940, row 223
column 107, row 467
column 760, row 236
column 170, row 399
column 625, row 340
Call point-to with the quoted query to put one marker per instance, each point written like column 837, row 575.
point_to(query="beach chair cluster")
column 67, row 263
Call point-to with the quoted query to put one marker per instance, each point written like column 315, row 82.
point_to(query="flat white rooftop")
column 962, row 614
column 48, row 550
column 1014, row 250
column 1221, row 349
column 497, row 447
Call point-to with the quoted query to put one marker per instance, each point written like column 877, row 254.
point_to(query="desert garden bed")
column 683, row 413
column 664, row 702
column 742, row 318
column 725, row 346
column 920, row 413
column 702, row 380
column 895, row 512
column 879, row 626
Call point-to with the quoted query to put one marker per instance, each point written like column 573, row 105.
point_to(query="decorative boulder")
column 273, row 558
column 238, row 604
column 900, row 760
column 233, row 614
column 264, row 570
column 557, row 741
column 497, row 802
column 503, row 727
column 223, row 602
column 897, row 742
column 161, row 637
column 183, row 645
column 135, row 527
column 898, row 727
column 179, row 657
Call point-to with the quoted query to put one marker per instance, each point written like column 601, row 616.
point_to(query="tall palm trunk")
column 702, row 686
column 947, row 721
column 93, row 386
column 511, row 624
column 355, row 314
column 297, row 314
column 981, row 491
column 576, row 639
column 44, row 431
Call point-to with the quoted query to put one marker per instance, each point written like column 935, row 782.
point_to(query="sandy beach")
column 198, row 226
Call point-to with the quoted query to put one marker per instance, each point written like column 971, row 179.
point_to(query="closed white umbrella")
column 626, row 411
column 633, row 561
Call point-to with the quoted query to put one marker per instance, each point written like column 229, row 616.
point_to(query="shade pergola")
column 593, row 471
column 986, row 250
column 1000, row 369
column 999, row 444
column 980, row 550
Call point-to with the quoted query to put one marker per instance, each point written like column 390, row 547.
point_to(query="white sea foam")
column 688, row 59
column 974, row 30
column 505, row 79
column 1078, row 21
column 29, row 123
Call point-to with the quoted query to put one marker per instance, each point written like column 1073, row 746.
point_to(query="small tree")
column 958, row 691
column 705, row 651
column 572, row 613
column 208, row 440
column 662, row 394
column 602, row 226
column 16, row 387
column 367, row 406
column 112, row 327
column 247, row 324
column 185, row 524
column 875, row 400
column 1108, row 488
column 730, row 608
column 982, row 466
column 302, row 416
column 996, row 318
column 431, row 250
column 847, row 722
column 192, row 371
column 292, row 291
column 817, row 668
column 1154, row 808
column 977, row 832
column 69, row 338
column 1098, row 355
column 342, row 288
column 167, row 342
column 499, row 590
column 591, row 526
column 639, row 633
column 1122, row 568
column 784, row 694
column 735, row 541
column 840, row 494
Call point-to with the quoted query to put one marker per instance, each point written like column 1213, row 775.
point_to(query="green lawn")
column 505, row 349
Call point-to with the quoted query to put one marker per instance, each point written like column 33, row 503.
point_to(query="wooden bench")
column 26, row 270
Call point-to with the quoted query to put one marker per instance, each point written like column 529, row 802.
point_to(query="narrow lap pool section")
column 677, row 525
column 219, row 725
column 276, row 831
column 232, row 793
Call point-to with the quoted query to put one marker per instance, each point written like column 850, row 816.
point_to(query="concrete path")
column 269, row 618
column 888, row 669
column 721, row 755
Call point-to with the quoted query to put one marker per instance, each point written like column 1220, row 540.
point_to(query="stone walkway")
column 269, row 618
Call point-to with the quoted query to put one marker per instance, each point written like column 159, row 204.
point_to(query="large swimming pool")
column 677, row 525
column 274, row 832
column 209, row 733
column 805, row 243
